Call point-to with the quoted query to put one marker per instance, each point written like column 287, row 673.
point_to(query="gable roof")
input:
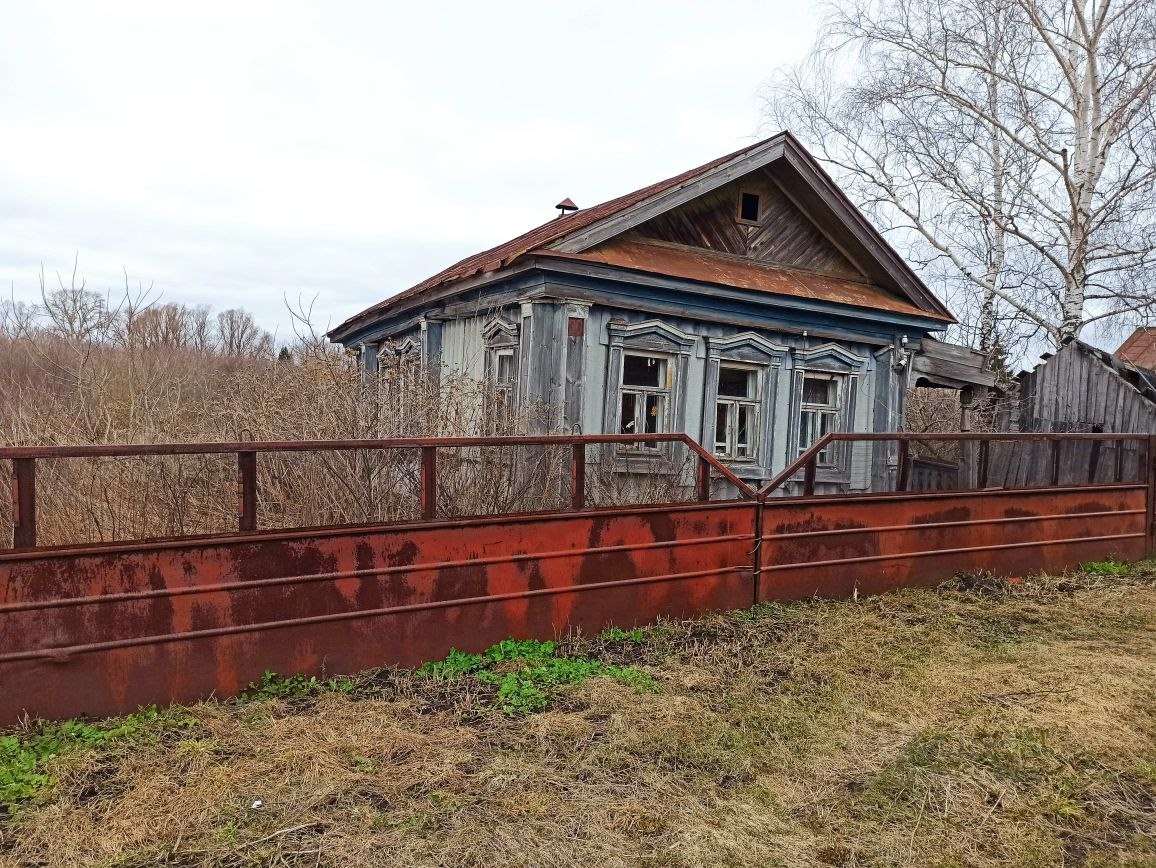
column 1140, row 349
column 581, row 230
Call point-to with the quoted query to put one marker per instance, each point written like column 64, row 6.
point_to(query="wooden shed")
column 1079, row 388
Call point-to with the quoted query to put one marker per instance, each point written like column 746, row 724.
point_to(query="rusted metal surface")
column 101, row 632
column 102, row 629
column 834, row 547
column 700, row 264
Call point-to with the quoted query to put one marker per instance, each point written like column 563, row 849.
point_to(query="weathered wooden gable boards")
column 1074, row 390
column 783, row 235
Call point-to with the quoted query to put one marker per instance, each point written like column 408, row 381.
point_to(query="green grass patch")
column 525, row 672
column 25, row 758
column 274, row 686
column 1106, row 568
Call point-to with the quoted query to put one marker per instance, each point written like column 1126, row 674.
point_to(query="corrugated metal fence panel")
column 105, row 629
column 833, row 547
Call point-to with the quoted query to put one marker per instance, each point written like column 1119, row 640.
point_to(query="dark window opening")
column 736, row 382
column 642, row 371
column 749, row 207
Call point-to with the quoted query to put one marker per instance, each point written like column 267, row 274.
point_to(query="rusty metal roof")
column 504, row 254
column 1140, row 349
column 556, row 231
column 708, row 266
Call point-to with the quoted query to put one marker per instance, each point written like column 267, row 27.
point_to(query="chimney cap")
column 566, row 204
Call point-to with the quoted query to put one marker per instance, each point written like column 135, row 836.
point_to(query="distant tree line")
column 72, row 312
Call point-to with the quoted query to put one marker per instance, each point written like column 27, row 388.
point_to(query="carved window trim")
column 501, row 339
column 847, row 369
column 648, row 338
column 747, row 349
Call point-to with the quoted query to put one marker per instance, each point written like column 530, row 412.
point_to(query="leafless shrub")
column 76, row 370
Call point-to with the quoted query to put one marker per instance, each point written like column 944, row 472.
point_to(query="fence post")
column 809, row 475
column 1150, row 499
column 903, row 470
column 981, row 474
column 247, row 490
column 578, row 477
column 429, row 482
column 23, row 503
column 703, row 482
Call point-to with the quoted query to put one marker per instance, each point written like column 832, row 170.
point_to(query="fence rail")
column 808, row 461
column 103, row 629
column 24, row 458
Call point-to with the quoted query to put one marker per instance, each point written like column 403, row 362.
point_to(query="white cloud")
column 230, row 153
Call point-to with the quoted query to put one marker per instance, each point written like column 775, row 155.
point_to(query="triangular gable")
column 780, row 234
column 800, row 178
column 794, row 171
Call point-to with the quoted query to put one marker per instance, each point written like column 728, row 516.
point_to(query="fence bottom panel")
column 183, row 622
column 835, row 548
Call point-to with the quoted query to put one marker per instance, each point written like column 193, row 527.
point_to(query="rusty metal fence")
column 103, row 628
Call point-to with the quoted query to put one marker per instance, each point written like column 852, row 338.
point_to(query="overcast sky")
column 234, row 153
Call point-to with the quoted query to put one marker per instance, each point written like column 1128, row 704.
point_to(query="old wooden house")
column 746, row 302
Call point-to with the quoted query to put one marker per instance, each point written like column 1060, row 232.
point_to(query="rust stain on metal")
column 105, row 628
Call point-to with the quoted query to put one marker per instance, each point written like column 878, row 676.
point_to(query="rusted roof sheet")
column 1140, row 349
column 689, row 263
column 547, row 233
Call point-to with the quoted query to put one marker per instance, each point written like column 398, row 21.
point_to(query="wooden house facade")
column 746, row 302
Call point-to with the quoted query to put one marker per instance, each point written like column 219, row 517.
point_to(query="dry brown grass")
column 986, row 725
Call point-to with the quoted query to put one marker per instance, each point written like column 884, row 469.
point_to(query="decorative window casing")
column 742, row 376
column 820, row 409
column 644, row 396
column 824, row 388
column 646, row 379
column 401, row 383
column 737, row 416
column 500, row 337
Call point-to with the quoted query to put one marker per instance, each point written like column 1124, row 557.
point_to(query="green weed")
column 617, row 634
column 525, row 671
column 1106, row 568
column 274, row 686
column 25, row 757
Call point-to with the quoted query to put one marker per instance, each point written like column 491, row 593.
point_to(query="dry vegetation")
column 984, row 724
column 79, row 369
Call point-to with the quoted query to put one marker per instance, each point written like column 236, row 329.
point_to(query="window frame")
column 832, row 410
column 502, row 398
column 648, row 337
column 850, row 371
column 739, row 208
column 733, row 403
column 664, row 392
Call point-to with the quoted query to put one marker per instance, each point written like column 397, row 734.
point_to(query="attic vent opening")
column 749, row 207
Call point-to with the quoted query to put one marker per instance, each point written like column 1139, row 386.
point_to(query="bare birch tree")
column 1011, row 144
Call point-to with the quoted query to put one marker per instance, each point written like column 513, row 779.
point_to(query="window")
column 749, row 207
column 505, row 381
column 736, row 430
column 819, row 412
column 644, row 396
